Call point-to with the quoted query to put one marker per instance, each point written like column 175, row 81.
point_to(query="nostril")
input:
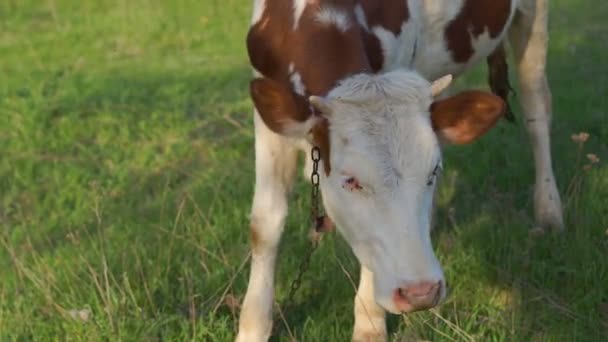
column 422, row 290
column 419, row 296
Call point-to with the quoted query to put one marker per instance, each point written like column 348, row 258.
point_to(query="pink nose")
column 416, row 297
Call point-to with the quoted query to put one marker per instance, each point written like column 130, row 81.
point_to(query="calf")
column 351, row 78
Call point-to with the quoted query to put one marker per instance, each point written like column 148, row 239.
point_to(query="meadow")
column 126, row 177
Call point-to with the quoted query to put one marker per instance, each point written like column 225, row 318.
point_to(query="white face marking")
column 258, row 10
column 380, row 133
column 333, row 16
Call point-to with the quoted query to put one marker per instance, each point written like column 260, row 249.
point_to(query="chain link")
column 316, row 220
column 315, row 155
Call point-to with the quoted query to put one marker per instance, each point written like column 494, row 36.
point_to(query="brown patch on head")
column 389, row 14
column 475, row 17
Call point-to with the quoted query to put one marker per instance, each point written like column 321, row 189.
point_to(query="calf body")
column 350, row 76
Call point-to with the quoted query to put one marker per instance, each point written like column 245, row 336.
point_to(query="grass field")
column 126, row 174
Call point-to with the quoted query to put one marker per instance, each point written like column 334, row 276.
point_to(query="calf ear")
column 283, row 111
column 463, row 118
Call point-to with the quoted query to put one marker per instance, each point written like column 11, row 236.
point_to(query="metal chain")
column 315, row 155
column 316, row 220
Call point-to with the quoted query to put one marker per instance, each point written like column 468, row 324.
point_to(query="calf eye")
column 351, row 184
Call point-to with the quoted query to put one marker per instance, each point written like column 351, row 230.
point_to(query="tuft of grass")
column 126, row 176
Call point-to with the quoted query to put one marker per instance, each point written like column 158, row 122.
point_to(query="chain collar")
column 319, row 221
column 316, row 217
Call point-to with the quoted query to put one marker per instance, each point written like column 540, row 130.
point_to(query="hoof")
column 548, row 207
column 553, row 222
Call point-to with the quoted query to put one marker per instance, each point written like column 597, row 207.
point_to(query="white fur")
column 298, row 9
column 369, row 317
column 530, row 52
column 483, row 42
column 298, row 129
column 296, row 80
column 297, row 84
column 360, row 15
column 389, row 44
column 391, row 149
column 275, row 170
column 258, row 10
column 429, row 19
column 400, row 50
column 332, row 16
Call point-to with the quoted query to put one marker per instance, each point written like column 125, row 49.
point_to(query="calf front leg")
column 529, row 38
column 275, row 171
column 370, row 325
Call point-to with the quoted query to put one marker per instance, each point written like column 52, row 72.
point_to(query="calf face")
column 383, row 135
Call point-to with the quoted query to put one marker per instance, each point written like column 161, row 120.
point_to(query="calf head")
column 382, row 135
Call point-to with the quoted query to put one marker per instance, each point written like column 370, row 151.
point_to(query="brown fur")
column 323, row 54
column 391, row 14
column 474, row 19
column 462, row 118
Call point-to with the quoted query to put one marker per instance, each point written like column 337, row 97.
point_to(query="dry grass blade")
column 292, row 337
column 228, row 286
column 452, row 326
column 40, row 284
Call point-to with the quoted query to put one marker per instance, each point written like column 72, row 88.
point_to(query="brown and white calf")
column 352, row 77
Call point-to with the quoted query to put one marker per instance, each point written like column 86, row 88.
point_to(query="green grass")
column 126, row 173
